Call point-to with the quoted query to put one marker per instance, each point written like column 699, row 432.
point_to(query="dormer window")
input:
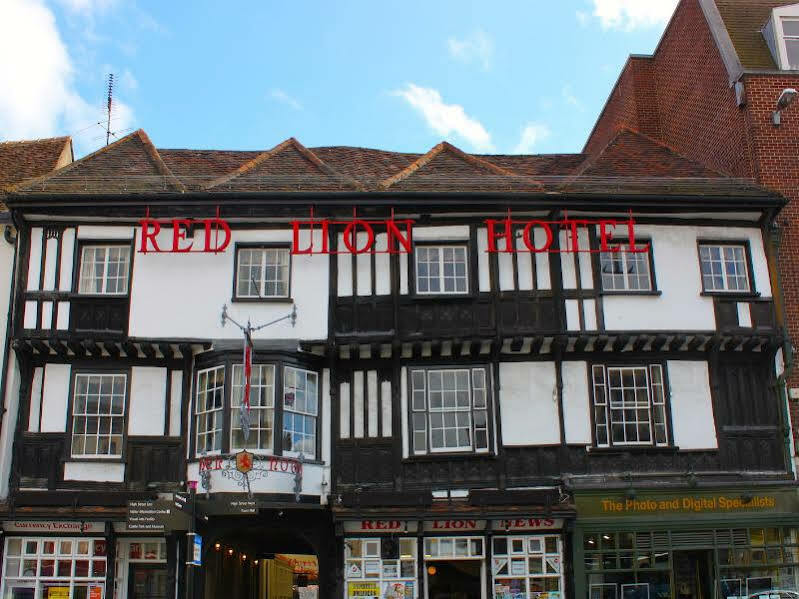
column 790, row 37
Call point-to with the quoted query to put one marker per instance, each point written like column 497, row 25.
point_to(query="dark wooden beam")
column 752, row 344
column 580, row 343
column 620, row 343
column 601, row 343
column 640, row 343
column 696, row 342
column 91, row 346
column 130, row 349
column 677, row 342
column 516, row 344
column 148, row 349
column 112, row 349
column 658, row 342
column 166, row 350
column 538, row 343
column 76, row 348
column 59, row 347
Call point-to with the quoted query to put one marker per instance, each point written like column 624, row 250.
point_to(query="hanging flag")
column 244, row 408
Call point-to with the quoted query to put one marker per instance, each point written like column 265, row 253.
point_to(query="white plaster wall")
column 327, row 419
column 176, row 402
column 680, row 307
column 11, row 403
column 106, row 232
column 187, row 292
column 448, row 232
column 35, row 410
column 147, row 401
column 67, row 256
column 404, row 410
column 113, row 472
column 691, row 405
column 528, row 407
column 35, row 260
column 55, row 394
column 576, row 403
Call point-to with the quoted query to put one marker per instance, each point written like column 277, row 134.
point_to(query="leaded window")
column 629, row 405
column 98, row 414
column 208, row 409
column 262, row 407
column 104, row 269
column 724, row 267
column 262, row 273
column 449, row 410
column 300, row 399
column 441, row 269
column 624, row 270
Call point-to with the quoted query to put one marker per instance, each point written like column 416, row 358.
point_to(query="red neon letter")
column 494, row 235
column 605, row 236
column 149, row 236
column 394, row 234
column 295, row 244
column 528, row 240
column 179, row 229
column 631, row 231
column 350, row 237
column 572, row 225
column 219, row 247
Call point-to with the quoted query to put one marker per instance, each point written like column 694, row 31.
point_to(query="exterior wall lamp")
column 786, row 98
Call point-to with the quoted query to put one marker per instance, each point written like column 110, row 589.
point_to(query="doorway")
column 148, row 581
column 693, row 574
column 461, row 579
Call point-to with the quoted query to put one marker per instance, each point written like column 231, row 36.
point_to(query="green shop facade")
column 723, row 543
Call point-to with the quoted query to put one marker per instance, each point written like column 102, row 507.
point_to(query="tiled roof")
column 20, row 160
column 629, row 164
column 744, row 20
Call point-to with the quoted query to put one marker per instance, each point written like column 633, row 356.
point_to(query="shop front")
column 518, row 558
column 686, row 544
column 62, row 559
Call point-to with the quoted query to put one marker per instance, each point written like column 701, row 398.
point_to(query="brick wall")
column 691, row 107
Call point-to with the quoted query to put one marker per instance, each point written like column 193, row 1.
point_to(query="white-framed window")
column 262, row 272
column 625, row 270
column 389, row 563
column 104, row 269
column 527, row 566
column 453, row 548
column 134, row 551
column 208, row 406
column 98, row 414
column 724, row 267
column 629, row 405
column 300, row 409
column 442, row 269
column 41, row 567
column 449, row 410
column 790, row 38
column 262, row 408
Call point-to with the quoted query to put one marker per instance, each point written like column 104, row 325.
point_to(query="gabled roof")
column 631, row 163
column 129, row 164
column 21, row 160
column 284, row 168
column 744, row 21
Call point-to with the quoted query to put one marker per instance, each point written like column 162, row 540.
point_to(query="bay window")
column 283, row 409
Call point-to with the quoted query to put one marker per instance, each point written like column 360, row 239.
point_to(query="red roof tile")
column 20, row 160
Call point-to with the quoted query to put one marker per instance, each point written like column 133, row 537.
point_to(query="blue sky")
column 500, row 76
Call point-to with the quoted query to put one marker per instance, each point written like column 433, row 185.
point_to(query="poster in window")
column 95, row 592
column 396, row 590
column 553, row 564
column 371, row 568
column 604, row 591
column 730, row 588
column 390, row 570
column 499, row 565
column 635, row 591
column 58, row 593
column 363, row 590
column 509, row 588
column 518, row 567
column 354, row 570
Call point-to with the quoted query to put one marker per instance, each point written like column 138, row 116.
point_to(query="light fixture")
column 256, row 562
column 244, row 556
column 217, row 546
column 230, row 551
column 431, row 570
column 787, row 97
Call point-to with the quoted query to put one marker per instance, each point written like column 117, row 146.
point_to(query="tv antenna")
column 110, row 99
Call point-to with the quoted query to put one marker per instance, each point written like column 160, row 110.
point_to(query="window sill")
column 632, row 448
column 449, row 456
column 441, row 296
column 742, row 295
column 96, row 459
column 650, row 293
column 262, row 300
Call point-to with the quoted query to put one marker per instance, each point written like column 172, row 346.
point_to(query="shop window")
column 380, row 567
column 629, row 406
column 42, row 567
column 104, row 270
column 449, row 410
column 724, row 268
column 441, row 269
column 297, row 409
column 453, row 547
column 262, row 272
column 623, row 270
column 98, row 415
column 526, row 567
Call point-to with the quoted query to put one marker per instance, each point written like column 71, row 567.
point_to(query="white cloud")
column 476, row 47
column 87, row 7
column 582, row 17
column 281, row 96
column 570, row 99
column 632, row 14
column 446, row 119
column 128, row 81
column 532, row 134
column 39, row 97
